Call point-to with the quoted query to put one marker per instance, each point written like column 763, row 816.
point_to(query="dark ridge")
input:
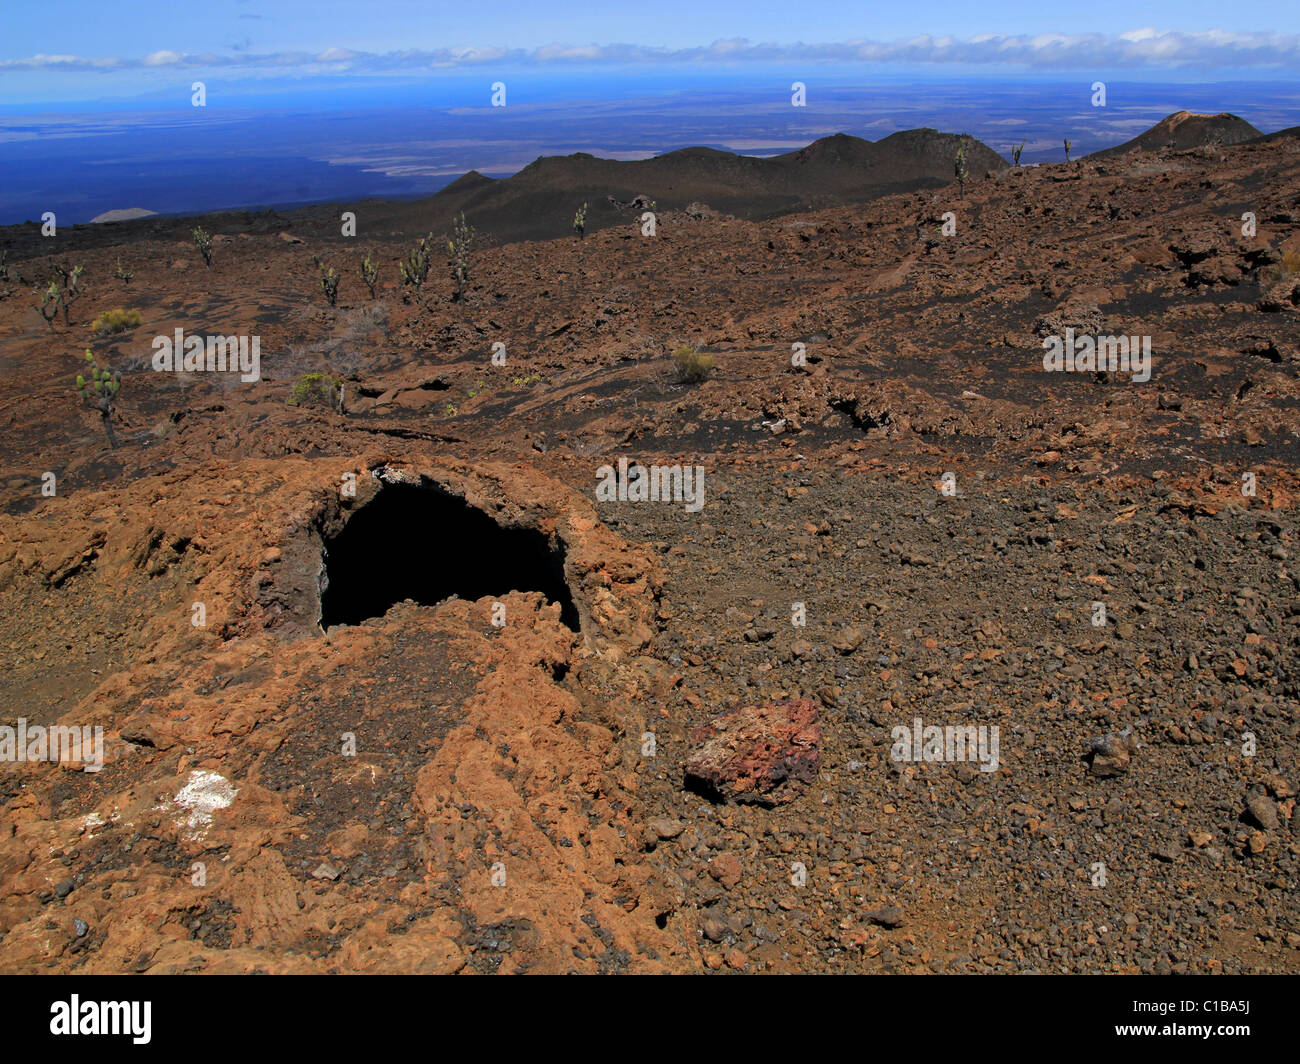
column 1183, row 130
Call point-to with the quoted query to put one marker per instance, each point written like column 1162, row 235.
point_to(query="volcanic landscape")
column 386, row 686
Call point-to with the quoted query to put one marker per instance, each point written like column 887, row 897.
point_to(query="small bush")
column 1287, row 266
column 693, row 365
column 115, row 321
column 318, row 389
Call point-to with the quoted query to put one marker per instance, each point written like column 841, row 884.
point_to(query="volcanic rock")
column 760, row 754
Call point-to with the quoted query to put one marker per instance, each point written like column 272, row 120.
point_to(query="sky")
column 67, row 50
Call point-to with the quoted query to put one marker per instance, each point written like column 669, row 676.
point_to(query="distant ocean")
column 347, row 142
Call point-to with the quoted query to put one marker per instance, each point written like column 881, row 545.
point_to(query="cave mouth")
column 423, row 543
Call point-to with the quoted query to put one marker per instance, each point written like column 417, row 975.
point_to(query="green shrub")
column 316, row 389
column 115, row 321
column 1287, row 266
column 693, row 365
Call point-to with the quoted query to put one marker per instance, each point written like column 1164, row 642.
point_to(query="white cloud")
column 1140, row 48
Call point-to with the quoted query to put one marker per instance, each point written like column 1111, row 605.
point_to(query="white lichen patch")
column 203, row 795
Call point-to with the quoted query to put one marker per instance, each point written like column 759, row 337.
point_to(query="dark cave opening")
column 423, row 543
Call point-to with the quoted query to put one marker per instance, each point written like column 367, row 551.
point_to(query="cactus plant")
column 1068, row 145
column 1015, row 152
column 329, row 281
column 415, row 267
column 580, row 221
column 100, row 392
column 203, row 241
column 458, row 249
column 49, row 304
column 369, row 274
column 123, row 273
column 959, row 166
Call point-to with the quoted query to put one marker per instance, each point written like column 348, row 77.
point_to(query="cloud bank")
column 1148, row 49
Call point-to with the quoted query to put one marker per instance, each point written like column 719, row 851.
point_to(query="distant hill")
column 127, row 214
column 538, row 203
column 1183, row 130
column 1292, row 131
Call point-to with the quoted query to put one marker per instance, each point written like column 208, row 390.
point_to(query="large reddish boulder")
column 763, row 754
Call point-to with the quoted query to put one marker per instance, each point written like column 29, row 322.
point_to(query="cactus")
column 580, row 221
column 458, row 249
column 123, row 273
column 69, row 291
column 1068, row 145
column 4, row 265
column 329, row 281
column 369, row 274
column 49, row 299
column 203, row 241
column 63, row 290
column 100, row 392
column 959, row 166
column 415, row 267
column 1015, row 152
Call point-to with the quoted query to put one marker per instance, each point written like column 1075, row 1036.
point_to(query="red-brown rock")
column 757, row 753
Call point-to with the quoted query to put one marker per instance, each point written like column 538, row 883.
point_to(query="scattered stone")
column 1262, row 812
column 891, row 916
column 726, row 869
column 847, row 640
column 665, row 828
column 325, row 870
column 1110, row 755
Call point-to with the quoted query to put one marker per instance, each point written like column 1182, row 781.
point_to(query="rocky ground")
column 650, row 766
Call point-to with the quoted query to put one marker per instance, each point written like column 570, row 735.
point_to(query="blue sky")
column 87, row 49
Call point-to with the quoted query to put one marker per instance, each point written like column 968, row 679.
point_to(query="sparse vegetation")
column 1068, row 145
column 1287, row 266
column 1015, row 152
column 459, row 245
column 524, row 382
column 580, row 221
column 959, row 166
column 63, row 290
column 70, row 290
column 116, row 321
column 317, row 389
column 203, row 241
column 369, row 274
column 49, row 304
column 479, row 389
column 329, row 281
column 692, row 365
column 4, row 265
column 415, row 267
column 449, row 410
column 100, row 392
column 123, row 273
